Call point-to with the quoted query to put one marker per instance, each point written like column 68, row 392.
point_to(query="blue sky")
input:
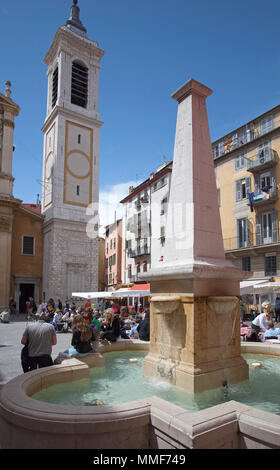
column 152, row 47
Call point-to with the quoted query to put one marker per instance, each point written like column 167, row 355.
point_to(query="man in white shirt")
column 260, row 323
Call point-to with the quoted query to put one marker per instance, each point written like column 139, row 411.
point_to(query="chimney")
column 8, row 89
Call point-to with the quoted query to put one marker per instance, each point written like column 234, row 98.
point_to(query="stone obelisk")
column 195, row 321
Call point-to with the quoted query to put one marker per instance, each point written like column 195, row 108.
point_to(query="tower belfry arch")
column 71, row 160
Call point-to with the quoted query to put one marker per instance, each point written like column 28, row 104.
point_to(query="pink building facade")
column 113, row 255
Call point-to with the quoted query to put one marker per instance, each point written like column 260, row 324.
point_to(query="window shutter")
column 258, row 230
column 274, row 227
column 248, row 186
column 273, row 180
column 238, row 195
column 79, row 85
column 257, row 184
column 28, row 246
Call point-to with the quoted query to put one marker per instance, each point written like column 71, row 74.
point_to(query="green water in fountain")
column 122, row 381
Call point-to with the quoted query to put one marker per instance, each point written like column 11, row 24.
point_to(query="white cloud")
column 109, row 203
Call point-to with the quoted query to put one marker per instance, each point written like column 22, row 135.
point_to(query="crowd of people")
column 90, row 326
column 263, row 327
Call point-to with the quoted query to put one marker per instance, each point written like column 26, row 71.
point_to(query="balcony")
column 262, row 198
column 248, row 134
column 267, row 158
column 139, row 251
column 140, row 201
column 260, row 238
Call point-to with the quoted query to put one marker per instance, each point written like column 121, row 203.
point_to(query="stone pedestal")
column 195, row 321
column 195, row 342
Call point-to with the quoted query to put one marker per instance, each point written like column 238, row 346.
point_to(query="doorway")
column 26, row 291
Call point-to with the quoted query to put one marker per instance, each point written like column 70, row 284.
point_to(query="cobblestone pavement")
column 10, row 347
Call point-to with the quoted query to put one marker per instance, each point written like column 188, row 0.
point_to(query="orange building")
column 27, row 255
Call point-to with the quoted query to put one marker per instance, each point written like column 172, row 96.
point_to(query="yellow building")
column 248, row 177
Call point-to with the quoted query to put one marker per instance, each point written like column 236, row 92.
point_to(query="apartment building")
column 113, row 255
column 144, row 218
column 248, row 175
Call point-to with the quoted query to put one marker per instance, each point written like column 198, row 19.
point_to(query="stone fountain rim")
column 13, row 396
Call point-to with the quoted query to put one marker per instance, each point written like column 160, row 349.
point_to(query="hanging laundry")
column 266, row 188
column 251, row 201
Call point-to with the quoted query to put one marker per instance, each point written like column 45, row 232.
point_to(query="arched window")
column 79, row 88
column 54, row 87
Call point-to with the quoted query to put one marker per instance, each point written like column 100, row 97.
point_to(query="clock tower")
column 71, row 162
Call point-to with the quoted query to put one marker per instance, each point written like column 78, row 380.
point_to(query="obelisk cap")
column 189, row 87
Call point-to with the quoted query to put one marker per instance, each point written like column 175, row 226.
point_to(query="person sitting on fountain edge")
column 144, row 328
column 260, row 323
column 110, row 328
column 272, row 332
column 82, row 337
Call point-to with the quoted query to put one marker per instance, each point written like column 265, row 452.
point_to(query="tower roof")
column 74, row 23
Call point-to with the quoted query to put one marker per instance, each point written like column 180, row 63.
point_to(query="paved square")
column 10, row 347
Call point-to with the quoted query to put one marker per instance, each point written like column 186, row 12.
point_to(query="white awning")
column 92, row 295
column 248, row 287
column 111, row 294
column 267, row 287
column 133, row 293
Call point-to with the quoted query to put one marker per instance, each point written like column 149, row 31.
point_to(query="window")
column 221, row 148
column 240, row 161
column 246, row 263
column 267, row 227
column 242, row 137
column 242, row 188
column 155, row 187
column 145, row 267
column 54, row 86
column 79, row 87
column 163, row 206
column 270, row 264
column 242, row 232
column 28, row 246
column 162, row 235
column 215, row 151
column 266, row 124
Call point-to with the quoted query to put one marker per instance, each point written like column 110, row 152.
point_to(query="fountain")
column 195, row 335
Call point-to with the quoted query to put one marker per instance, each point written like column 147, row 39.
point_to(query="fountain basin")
column 150, row 423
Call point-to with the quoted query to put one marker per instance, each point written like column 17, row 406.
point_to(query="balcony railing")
column 262, row 197
column 263, row 237
column 264, row 159
column 238, row 140
column 141, row 250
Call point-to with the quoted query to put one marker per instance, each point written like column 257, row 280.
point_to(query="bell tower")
column 71, row 161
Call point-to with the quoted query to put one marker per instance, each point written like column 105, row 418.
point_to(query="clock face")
column 78, row 164
column 78, row 168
